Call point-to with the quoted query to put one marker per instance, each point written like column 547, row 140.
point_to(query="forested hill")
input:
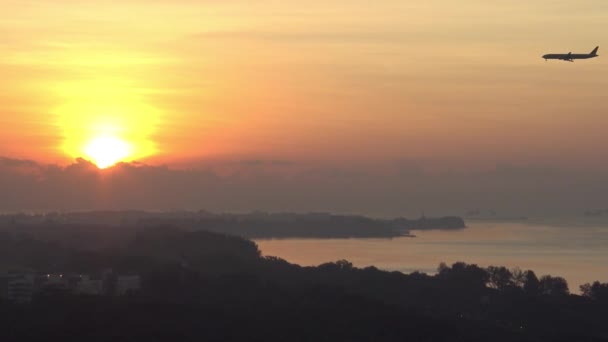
column 252, row 225
column 208, row 286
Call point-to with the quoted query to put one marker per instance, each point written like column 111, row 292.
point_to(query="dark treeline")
column 208, row 286
column 252, row 225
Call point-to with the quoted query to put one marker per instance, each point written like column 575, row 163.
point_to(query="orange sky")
column 438, row 80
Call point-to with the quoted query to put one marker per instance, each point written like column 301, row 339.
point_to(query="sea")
column 574, row 249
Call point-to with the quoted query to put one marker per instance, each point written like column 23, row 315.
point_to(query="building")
column 20, row 288
column 89, row 286
column 4, row 286
column 127, row 284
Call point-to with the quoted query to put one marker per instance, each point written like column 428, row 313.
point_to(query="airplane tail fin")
column 594, row 52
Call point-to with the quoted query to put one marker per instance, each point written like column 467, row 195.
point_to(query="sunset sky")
column 448, row 86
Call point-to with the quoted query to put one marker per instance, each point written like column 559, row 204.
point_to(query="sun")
column 106, row 151
column 106, row 122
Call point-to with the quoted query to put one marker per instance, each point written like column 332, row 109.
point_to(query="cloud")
column 18, row 163
column 389, row 189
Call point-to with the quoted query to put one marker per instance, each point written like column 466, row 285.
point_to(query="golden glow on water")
column 577, row 253
column 106, row 122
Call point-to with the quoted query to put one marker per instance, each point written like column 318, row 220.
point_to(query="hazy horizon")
column 400, row 188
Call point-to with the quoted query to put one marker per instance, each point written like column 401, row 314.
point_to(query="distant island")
column 596, row 213
column 492, row 215
column 259, row 225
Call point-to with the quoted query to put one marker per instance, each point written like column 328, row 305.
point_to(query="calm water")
column 578, row 252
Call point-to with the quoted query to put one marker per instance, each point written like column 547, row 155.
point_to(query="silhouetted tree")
column 596, row 291
column 553, row 286
column 340, row 265
column 443, row 269
column 531, row 283
column 500, row 277
column 464, row 275
column 518, row 277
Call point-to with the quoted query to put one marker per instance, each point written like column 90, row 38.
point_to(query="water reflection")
column 578, row 253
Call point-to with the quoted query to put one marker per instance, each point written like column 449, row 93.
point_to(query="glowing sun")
column 106, row 151
column 106, row 121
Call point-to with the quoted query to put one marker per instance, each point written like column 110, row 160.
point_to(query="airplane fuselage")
column 570, row 57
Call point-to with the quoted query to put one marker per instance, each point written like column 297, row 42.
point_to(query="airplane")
column 570, row 57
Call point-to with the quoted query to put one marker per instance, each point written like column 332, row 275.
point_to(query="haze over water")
column 576, row 252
